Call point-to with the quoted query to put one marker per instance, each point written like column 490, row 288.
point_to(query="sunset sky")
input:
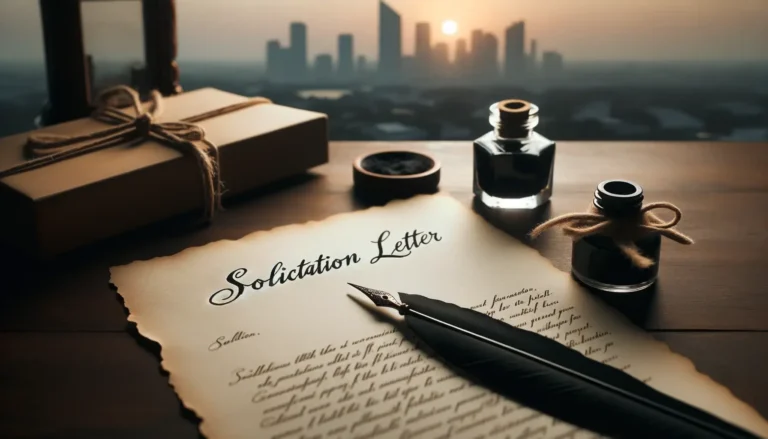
column 611, row 30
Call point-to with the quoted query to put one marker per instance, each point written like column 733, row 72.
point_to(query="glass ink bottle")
column 513, row 165
column 597, row 261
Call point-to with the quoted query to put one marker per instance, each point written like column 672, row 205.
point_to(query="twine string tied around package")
column 186, row 136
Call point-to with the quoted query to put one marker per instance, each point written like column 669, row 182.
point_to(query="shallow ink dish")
column 387, row 175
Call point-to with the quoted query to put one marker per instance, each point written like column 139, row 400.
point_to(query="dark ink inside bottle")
column 598, row 262
column 513, row 164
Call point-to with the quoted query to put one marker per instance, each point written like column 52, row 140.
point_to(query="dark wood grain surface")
column 72, row 366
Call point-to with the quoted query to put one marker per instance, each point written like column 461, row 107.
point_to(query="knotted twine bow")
column 624, row 231
column 184, row 136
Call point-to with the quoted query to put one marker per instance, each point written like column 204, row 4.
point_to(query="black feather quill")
column 550, row 377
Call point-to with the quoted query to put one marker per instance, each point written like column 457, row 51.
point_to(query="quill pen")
column 548, row 376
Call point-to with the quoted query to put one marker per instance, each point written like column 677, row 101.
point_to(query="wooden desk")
column 71, row 366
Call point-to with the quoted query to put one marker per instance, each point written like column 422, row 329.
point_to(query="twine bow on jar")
column 184, row 136
column 624, row 230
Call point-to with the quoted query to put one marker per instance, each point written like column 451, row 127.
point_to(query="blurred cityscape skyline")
column 468, row 61
column 683, row 70
column 587, row 30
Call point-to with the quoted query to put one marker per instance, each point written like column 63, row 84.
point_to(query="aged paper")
column 261, row 338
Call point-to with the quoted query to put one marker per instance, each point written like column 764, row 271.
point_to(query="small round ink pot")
column 388, row 175
column 598, row 262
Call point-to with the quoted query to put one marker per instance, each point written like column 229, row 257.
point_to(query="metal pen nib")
column 381, row 298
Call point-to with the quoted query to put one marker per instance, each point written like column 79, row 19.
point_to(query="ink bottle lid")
column 617, row 198
column 513, row 118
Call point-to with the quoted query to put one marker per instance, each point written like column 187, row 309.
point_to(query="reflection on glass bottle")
column 598, row 262
column 513, row 165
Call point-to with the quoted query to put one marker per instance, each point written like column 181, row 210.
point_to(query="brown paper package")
column 50, row 210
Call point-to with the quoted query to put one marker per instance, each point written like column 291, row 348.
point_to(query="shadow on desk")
column 154, row 348
column 515, row 222
column 635, row 306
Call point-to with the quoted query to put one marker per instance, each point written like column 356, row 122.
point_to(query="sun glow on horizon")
column 450, row 27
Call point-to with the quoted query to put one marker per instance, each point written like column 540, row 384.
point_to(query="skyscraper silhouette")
column 514, row 52
column 440, row 64
column 346, row 56
column 297, row 60
column 476, row 53
column 423, row 50
column 462, row 60
column 533, row 57
column 390, row 44
column 275, row 60
column 490, row 56
column 323, row 68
